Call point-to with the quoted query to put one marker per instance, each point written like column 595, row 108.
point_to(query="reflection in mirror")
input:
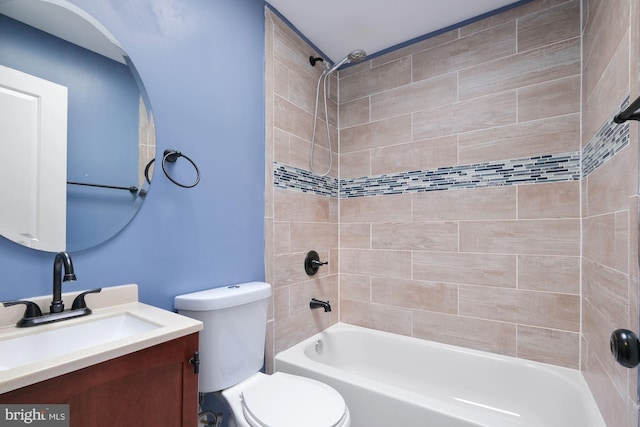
column 88, row 186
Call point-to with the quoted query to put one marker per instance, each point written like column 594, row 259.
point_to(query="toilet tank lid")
column 223, row 297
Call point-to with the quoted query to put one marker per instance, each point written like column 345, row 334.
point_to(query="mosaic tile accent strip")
column 547, row 168
column 289, row 177
column 609, row 140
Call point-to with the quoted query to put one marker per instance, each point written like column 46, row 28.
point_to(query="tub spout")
column 316, row 303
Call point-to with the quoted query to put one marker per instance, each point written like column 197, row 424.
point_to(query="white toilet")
column 232, row 354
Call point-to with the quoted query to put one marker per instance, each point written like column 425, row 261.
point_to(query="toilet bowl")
column 231, row 357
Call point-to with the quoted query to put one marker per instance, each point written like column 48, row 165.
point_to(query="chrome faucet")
column 316, row 303
column 62, row 259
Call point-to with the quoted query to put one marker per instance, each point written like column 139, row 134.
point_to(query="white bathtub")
column 396, row 381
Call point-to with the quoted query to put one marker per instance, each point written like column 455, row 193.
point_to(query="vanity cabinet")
column 156, row 386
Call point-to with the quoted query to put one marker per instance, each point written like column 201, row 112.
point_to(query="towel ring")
column 171, row 156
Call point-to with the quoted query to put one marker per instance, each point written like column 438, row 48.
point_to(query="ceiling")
column 337, row 27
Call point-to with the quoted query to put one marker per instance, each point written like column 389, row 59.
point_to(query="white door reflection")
column 33, row 119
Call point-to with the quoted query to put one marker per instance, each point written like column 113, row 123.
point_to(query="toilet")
column 231, row 357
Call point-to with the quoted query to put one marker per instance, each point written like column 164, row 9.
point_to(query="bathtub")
column 397, row 381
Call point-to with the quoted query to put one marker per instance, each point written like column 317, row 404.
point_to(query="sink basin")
column 62, row 339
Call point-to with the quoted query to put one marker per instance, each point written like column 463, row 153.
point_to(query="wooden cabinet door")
column 152, row 387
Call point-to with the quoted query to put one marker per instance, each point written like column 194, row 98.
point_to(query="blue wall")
column 202, row 63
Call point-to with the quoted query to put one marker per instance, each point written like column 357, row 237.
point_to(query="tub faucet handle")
column 312, row 263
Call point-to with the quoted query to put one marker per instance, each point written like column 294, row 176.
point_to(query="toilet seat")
column 284, row 400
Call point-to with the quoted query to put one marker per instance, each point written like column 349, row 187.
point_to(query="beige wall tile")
column 433, row 92
column 428, row 236
column 531, row 237
column 607, row 93
column 281, row 151
column 306, row 236
column 606, row 26
column 299, row 150
column 280, row 80
column 376, row 209
column 395, row 130
column 548, row 99
column 608, row 186
column 607, row 290
column 378, row 79
column 481, row 47
column 549, row 26
column 543, row 309
column 473, row 269
column 482, row 113
column 302, row 93
column 549, row 273
column 467, row 204
column 281, row 238
column 601, row 241
column 291, row 118
column 547, row 136
column 419, row 155
column 298, row 206
column 269, row 352
column 597, row 331
column 376, row 316
column 355, row 235
column 634, row 310
column 479, row 334
column 623, row 236
column 549, row 346
column 439, row 297
column 354, row 287
column 354, row 113
column 611, row 404
column 552, row 200
column 381, row 263
column 550, row 62
column 355, row 164
column 281, row 302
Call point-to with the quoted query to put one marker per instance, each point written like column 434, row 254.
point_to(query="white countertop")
column 115, row 301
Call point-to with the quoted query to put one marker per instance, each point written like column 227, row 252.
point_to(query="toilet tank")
column 233, row 338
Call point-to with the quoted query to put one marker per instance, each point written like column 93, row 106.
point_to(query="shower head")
column 354, row 57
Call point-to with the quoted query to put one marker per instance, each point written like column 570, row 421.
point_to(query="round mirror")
column 76, row 129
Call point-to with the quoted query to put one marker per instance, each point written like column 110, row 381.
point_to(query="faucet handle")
column 32, row 309
column 79, row 302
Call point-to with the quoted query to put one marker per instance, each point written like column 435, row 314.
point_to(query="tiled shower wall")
column 494, row 265
column 462, row 216
column 611, row 44
column 296, row 221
